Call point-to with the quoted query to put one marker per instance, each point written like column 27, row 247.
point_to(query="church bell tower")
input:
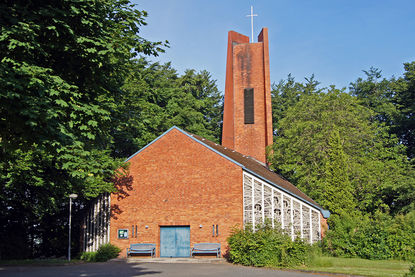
column 247, row 117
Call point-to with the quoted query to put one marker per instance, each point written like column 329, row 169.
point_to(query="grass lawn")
column 357, row 266
column 40, row 262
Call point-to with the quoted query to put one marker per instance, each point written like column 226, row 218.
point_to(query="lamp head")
column 73, row 196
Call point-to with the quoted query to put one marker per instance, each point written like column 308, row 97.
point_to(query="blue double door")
column 175, row 241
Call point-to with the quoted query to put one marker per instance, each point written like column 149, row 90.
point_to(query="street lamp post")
column 71, row 196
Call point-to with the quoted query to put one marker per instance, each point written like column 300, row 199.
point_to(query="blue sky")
column 333, row 39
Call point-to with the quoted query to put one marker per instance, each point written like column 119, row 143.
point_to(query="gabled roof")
column 250, row 165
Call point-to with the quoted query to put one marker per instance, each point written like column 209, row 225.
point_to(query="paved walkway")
column 175, row 260
column 135, row 268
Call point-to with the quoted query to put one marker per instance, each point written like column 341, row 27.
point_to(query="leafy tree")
column 377, row 94
column 61, row 64
column 287, row 93
column 155, row 97
column 337, row 187
column 392, row 101
column 208, row 103
column 328, row 146
column 404, row 100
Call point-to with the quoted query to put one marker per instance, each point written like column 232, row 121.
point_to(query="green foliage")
column 88, row 256
column 379, row 237
column 392, row 101
column 287, row 93
column 155, row 98
column 106, row 252
column 339, row 190
column 411, row 272
column 267, row 247
column 377, row 94
column 61, row 64
column 342, row 150
column 404, row 89
column 329, row 139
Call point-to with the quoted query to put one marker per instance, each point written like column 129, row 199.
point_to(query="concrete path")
column 134, row 268
column 174, row 260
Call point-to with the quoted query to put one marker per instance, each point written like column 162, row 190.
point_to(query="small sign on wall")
column 123, row 233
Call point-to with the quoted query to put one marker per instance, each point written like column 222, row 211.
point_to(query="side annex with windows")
column 264, row 201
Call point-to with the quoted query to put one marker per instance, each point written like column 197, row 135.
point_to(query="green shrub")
column 411, row 272
column 106, row 252
column 378, row 237
column 267, row 247
column 88, row 256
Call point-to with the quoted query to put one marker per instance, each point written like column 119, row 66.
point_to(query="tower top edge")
column 237, row 33
column 234, row 36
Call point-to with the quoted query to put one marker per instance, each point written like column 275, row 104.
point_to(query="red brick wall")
column 178, row 181
column 228, row 113
column 248, row 67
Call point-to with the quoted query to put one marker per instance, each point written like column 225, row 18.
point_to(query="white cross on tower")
column 252, row 23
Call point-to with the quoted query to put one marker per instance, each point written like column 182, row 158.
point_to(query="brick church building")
column 183, row 189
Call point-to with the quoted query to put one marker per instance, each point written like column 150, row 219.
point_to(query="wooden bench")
column 142, row 248
column 206, row 248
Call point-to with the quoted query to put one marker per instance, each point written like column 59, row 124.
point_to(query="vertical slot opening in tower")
column 249, row 106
